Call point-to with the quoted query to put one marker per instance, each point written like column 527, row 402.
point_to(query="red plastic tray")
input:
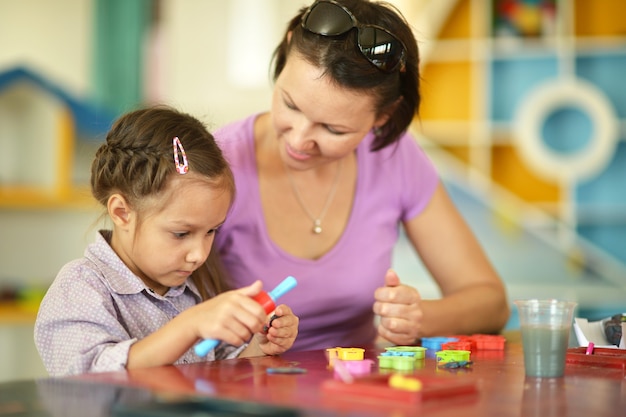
column 601, row 357
column 377, row 386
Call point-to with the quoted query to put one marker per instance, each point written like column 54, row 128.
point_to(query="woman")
column 326, row 177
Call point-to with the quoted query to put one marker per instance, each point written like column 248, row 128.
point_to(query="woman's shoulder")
column 235, row 131
column 405, row 148
column 236, row 139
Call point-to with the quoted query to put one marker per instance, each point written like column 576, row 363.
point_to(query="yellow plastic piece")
column 405, row 383
column 345, row 354
column 331, row 353
column 350, row 354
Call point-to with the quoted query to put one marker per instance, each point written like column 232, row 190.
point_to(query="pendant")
column 317, row 227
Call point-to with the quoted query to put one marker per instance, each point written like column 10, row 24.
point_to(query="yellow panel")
column 33, row 197
column 600, row 17
column 511, row 173
column 459, row 152
column 445, row 133
column 65, row 161
column 458, row 23
column 446, row 91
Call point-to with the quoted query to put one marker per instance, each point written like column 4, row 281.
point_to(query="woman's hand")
column 399, row 309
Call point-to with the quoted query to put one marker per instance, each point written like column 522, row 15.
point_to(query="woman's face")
column 317, row 121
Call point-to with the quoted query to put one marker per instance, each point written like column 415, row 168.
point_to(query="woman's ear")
column 384, row 117
column 120, row 211
column 381, row 120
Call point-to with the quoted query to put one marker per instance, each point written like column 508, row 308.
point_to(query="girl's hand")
column 281, row 333
column 399, row 309
column 232, row 317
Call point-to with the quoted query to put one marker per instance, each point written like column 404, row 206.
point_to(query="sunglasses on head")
column 381, row 48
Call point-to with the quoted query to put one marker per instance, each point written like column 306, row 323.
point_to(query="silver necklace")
column 317, row 221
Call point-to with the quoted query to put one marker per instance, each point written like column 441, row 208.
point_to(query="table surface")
column 499, row 388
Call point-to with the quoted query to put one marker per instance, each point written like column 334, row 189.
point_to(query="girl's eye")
column 213, row 231
column 180, row 235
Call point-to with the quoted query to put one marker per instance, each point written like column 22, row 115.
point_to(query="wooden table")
column 501, row 388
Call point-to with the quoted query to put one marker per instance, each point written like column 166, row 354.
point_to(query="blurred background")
column 524, row 113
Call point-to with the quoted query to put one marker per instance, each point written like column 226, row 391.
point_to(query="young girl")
column 143, row 294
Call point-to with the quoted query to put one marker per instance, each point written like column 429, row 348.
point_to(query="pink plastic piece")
column 354, row 368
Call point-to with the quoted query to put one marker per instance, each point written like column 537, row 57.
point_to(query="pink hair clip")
column 184, row 167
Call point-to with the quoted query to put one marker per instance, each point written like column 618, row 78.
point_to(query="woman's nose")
column 301, row 135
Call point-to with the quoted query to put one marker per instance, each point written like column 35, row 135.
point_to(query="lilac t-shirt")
column 335, row 294
column 96, row 308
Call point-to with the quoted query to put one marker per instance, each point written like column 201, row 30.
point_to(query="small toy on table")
column 598, row 357
column 345, row 354
column 353, row 368
column 434, row 343
column 453, row 359
column 489, row 341
column 401, row 358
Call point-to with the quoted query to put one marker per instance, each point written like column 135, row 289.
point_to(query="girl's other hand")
column 282, row 331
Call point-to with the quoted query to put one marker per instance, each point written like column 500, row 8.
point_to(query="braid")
column 133, row 171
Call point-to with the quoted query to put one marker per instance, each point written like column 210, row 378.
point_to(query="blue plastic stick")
column 203, row 348
column 283, row 288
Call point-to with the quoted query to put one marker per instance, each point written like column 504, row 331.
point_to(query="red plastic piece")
column 601, row 357
column 489, row 341
column 460, row 345
column 266, row 301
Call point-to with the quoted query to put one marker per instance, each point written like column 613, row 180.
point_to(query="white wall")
column 54, row 38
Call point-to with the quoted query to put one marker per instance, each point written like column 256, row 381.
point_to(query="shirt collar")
column 117, row 276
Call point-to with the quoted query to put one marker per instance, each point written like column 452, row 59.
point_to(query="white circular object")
column 546, row 100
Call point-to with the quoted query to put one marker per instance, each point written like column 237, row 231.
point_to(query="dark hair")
column 396, row 93
column 137, row 161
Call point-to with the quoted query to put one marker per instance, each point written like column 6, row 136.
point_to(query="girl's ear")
column 119, row 211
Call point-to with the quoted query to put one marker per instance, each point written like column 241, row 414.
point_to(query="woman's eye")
column 180, row 235
column 290, row 105
column 333, row 131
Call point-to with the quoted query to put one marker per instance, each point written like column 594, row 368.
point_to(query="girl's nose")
column 199, row 251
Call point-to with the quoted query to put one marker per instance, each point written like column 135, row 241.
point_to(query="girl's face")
column 317, row 121
column 171, row 243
